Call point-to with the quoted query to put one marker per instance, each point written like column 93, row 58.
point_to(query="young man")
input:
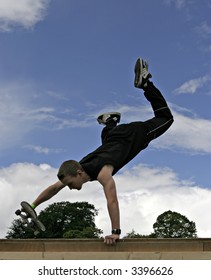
column 120, row 144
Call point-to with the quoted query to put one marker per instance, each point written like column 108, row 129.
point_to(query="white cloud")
column 144, row 193
column 204, row 29
column 25, row 13
column 38, row 149
column 183, row 134
column 179, row 4
column 193, row 85
column 18, row 115
column 188, row 133
column 42, row 150
column 21, row 113
column 147, row 192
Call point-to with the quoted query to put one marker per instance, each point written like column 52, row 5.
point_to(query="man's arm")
column 109, row 186
column 48, row 193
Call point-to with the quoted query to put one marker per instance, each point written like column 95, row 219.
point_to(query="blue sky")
column 64, row 62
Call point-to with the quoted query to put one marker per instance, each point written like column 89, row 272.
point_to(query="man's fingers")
column 111, row 239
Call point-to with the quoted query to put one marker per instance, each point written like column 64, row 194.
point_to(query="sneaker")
column 107, row 117
column 141, row 73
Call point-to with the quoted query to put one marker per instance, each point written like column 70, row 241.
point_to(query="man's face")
column 73, row 182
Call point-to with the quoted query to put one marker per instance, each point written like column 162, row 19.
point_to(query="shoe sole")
column 137, row 70
column 139, row 79
column 101, row 121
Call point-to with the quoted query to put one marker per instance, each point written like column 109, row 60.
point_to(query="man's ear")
column 79, row 172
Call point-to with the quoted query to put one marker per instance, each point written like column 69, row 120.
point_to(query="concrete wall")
column 92, row 249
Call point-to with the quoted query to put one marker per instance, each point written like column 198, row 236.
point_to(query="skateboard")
column 29, row 218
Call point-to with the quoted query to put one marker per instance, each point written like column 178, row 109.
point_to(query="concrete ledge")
column 136, row 249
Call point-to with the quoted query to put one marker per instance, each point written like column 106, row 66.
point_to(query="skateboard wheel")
column 18, row 212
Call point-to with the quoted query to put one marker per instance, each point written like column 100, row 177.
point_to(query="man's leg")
column 163, row 117
column 110, row 121
column 106, row 130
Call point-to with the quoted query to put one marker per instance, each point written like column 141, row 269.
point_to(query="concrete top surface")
column 97, row 245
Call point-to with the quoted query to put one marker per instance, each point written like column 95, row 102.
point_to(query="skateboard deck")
column 29, row 217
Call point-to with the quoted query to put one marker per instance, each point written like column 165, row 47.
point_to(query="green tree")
column 169, row 225
column 174, row 225
column 63, row 219
column 133, row 234
column 18, row 230
column 88, row 232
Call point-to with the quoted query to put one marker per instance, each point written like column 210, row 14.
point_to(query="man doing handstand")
column 120, row 144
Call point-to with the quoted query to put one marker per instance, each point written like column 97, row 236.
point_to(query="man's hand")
column 111, row 239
